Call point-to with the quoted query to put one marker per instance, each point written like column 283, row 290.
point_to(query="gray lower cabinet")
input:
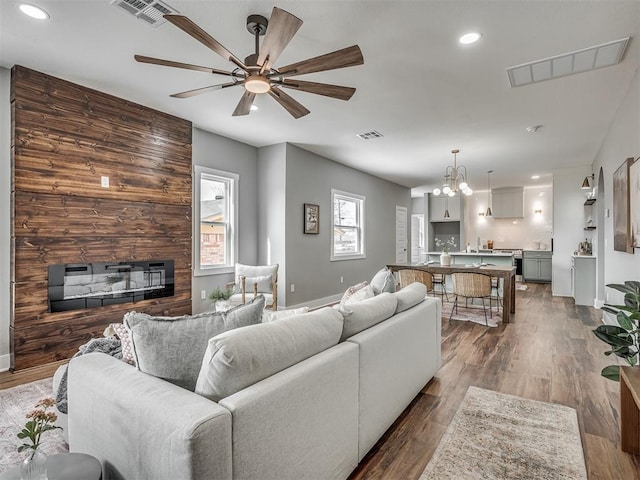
column 584, row 279
column 536, row 266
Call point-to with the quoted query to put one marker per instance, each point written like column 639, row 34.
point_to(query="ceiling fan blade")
column 280, row 30
column 326, row 89
column 244, row 105
column 198, row 91
column 187, row 66
column 187, row 26
column 291, row 105
column 347, row 57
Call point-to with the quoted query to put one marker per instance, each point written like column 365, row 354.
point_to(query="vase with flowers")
column 445, row 258
column 39, row 421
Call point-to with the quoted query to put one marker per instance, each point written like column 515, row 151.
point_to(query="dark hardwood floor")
column 547, row 353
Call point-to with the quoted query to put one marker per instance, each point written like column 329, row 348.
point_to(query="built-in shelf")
column 590, row 201
column 589, row 228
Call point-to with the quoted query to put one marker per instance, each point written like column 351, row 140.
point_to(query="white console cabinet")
column 583, row 277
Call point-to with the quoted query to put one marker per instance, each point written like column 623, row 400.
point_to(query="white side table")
column 65, row 466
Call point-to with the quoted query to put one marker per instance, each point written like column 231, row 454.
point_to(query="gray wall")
column 309, row 179
column 271, row 211
column 213, row 151
column 5, row 215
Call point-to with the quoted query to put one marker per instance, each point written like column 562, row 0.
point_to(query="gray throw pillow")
column 239, row 358
column 383, row 281
column 172, row 347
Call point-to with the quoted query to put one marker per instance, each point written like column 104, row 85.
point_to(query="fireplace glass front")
column 75, row 286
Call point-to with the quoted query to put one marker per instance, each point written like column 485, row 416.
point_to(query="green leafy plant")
column 625, row 338
column 218, row 294
column 446, row 246
column 40, row 420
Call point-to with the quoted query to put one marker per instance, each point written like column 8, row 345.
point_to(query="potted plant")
column 40, row 420
column 625, row 338
column 220, row 298
column 445, row 258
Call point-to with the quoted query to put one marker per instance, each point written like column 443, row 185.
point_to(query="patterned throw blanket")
column 109, row 345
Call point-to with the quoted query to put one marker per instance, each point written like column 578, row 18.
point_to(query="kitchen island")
column 473, row 258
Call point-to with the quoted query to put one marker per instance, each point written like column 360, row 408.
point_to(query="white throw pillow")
column 253, row 271
column 359, row 316
column 263, row 282
column 356, row 292
column 268, row 316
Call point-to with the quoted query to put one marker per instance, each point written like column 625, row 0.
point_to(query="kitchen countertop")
column 474, row 254
column 583, row 256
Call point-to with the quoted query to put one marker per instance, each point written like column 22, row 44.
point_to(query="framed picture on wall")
column 311, row 218
column 621, row 217
column 634, row 203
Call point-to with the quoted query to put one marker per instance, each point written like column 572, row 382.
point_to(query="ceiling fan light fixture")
column 469, row 38
column 257, row 84
column 33, row 11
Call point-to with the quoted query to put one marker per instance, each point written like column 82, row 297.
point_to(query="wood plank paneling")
column 66, row 137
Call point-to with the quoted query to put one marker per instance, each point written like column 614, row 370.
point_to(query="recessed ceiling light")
column 535, row 177
column 468, row 38
column 33, row 11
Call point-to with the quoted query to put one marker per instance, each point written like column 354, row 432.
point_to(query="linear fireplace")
column 75, row 286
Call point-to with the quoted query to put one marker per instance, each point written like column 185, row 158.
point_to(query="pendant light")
column 446, row 207
column 488, row 213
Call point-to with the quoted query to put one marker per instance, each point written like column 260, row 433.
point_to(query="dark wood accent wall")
column 65, row 138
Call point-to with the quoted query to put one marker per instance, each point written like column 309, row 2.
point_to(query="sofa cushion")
column 383, row 281
column 272, row 316
column 239, row 358
column 410, row 295
column 172, row 347
column 359, row 316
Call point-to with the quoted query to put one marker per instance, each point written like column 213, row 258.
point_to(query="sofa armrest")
column 143, row 427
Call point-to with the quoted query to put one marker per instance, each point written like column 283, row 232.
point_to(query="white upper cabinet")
column 438, row 205
column 507, row 202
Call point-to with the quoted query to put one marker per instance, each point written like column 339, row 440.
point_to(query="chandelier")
column 455, row 179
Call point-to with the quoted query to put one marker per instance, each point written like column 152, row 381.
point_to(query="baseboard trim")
column 597, row 303
column 320, row 302
column 5, row 362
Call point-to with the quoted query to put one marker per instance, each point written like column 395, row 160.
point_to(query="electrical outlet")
column 293, row 288
column 104, row 182
column 203, row 294
column 341, row 279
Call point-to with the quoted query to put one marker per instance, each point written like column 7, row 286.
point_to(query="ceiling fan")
column 257, row 73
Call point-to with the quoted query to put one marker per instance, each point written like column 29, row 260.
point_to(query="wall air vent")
column 580, row 61
column 370, row 135
column 150, row 11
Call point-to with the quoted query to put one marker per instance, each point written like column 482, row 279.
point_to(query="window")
column 347, row 242
column 216, row 220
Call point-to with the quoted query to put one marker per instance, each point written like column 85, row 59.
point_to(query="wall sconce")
column 586, row 185
column 538, row 212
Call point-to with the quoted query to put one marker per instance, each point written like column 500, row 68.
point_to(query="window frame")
column 232, row 180
column 360, row 201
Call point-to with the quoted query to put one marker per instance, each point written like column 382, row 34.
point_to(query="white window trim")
column 361, row 224
column 198, row 271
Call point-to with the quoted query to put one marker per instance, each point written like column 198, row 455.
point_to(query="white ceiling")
column 419, row 87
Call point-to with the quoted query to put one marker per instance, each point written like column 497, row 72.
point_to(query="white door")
column 417, row 237
column 401, row 235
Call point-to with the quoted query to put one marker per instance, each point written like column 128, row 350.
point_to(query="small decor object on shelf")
column 625, row 338
column 220, row 298
column 40, row 420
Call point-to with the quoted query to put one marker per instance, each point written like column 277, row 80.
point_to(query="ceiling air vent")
column 370, row 135
column 150, row 11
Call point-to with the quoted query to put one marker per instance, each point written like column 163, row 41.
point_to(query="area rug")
column 494, row 436
column 472, row 313
column 15, row 403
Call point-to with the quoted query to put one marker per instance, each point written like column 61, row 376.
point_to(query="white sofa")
column 313, row 420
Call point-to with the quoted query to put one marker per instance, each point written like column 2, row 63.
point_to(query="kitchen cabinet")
column 536, row 266
column 438, row 205
column 583, row 279
column 507, row 202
